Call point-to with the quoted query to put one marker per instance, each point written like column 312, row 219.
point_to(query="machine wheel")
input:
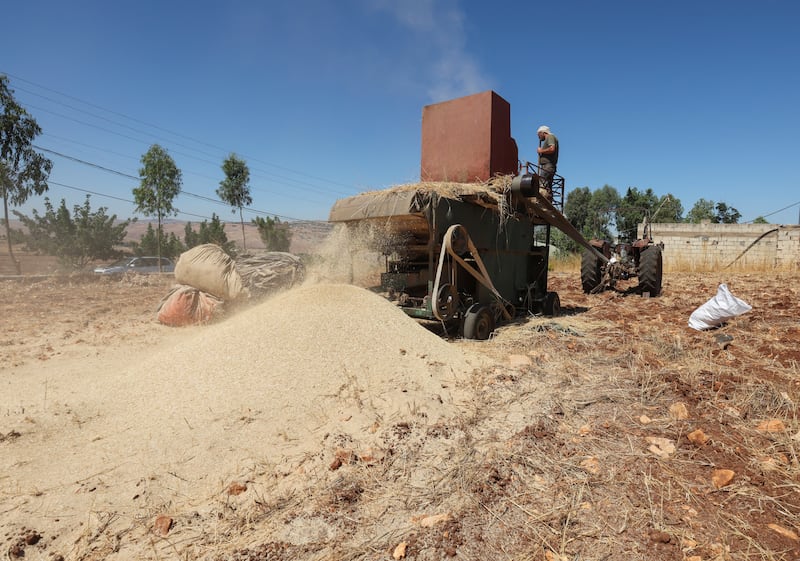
column 591, row 271
column 478, row 322
column 552, row 304
column 650, row 266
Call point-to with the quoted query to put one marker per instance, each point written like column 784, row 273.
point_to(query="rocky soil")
column 611, row 432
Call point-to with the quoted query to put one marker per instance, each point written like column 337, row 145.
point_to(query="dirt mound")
column 312, row 360
column 270, row 382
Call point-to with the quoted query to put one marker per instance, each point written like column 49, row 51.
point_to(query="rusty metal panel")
column 467, row 140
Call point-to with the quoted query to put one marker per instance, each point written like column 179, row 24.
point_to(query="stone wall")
column 715, row 246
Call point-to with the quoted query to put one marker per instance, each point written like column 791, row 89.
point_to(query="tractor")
column 467, row 255
column 642, row 259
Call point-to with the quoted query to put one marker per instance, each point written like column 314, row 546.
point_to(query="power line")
column 182, row 192
column 255, row 188
column 91, row 192
column 118, row 198
column 92, row 125
column 57, row 137
column 203, row 143
column 84, row 162
column 189, row 172
column 779, row 210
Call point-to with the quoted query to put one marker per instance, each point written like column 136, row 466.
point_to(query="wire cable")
column 182, row 192
column 305, row 185
column 200, row 142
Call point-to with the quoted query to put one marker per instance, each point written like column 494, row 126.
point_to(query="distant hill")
column 306, row 235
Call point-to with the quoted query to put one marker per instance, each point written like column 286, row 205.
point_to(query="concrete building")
column 712, row 247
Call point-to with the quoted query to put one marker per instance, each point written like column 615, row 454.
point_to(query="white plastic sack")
column 721, row 308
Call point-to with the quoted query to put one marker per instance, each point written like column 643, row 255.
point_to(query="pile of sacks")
column 208, row 277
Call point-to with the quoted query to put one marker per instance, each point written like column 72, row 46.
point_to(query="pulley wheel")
column 447, row 301
column 458, row 241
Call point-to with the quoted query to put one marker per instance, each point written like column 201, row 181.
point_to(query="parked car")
column 137, row 265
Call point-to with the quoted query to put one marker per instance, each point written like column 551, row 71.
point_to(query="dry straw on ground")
column 542, row 453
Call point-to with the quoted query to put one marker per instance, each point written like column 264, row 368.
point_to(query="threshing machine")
column 469, row 245
column 467, row 256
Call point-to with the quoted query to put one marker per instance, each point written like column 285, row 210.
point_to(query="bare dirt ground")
column 611, row 432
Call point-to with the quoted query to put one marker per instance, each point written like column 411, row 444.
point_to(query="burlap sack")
column 208, row 268
column 186, row 305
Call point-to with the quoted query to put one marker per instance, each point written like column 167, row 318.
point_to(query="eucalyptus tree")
column 23, row 171
column 235, row 188
column 160, row 184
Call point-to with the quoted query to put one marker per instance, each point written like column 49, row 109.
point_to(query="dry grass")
column 677, row 264
column 571, row 263
column 494, row 188
column 550, row 458
column 565, row 262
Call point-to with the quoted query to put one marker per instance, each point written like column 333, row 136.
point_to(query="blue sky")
column 324, row 99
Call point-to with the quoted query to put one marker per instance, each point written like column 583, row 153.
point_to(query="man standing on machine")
column 548, row 159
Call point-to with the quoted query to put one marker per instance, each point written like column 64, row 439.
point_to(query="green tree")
column 637, row 206
column 190, row 237
column 633, row 208
column 726, row 214
column 702, row 210
column 16, row 236
column 275, row 234
column 161, row 183
column 214, row 232
column 76, row 239
column 669, row 209
column 602, row 213
column 760, row 220
column 560, row 240
column 576, row 207
column 171, row 246
column 235, row 188
column 23, row 171
column 716, row 213
column 209, row 232
column 591, row 212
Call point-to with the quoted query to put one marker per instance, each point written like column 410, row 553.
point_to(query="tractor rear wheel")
column 650, row 270
column 478, row 322
column 591, row 271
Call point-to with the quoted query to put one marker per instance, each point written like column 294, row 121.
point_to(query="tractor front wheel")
column 650, row 270
column 478, row 322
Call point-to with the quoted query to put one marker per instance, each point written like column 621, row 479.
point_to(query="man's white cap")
column 545, row 129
